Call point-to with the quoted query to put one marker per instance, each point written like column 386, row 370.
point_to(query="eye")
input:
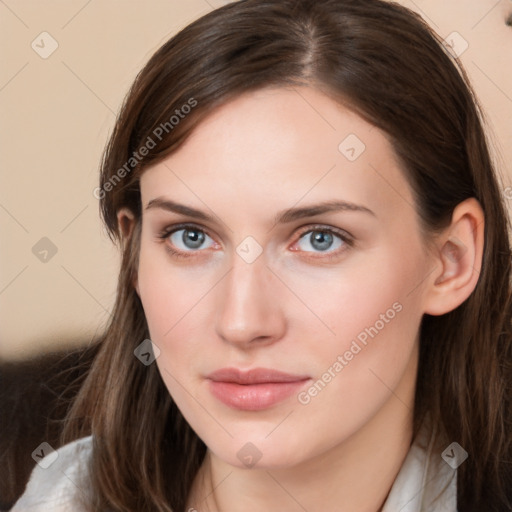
column 321, row 239
column 186, row 239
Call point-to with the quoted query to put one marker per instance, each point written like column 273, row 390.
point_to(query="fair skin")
column 300, row 304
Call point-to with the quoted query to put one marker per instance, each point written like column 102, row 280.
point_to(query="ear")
column 457, row 258
column 126, row 223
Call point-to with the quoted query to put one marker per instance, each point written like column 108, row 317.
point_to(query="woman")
column 313, row 308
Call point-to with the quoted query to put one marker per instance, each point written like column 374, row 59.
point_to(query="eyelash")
column 343, row 235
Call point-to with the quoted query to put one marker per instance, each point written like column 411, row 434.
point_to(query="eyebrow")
column 283, row 217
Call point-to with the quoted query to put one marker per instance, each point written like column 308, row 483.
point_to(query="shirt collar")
column 423, row 477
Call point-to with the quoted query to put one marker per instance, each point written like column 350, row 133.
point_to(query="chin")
column 256, row 451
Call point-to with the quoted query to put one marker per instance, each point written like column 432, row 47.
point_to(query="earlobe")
column 458, row 259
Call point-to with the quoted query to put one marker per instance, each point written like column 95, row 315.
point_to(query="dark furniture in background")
column 34, row 397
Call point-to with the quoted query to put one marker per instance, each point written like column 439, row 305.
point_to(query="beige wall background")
column 65, row 68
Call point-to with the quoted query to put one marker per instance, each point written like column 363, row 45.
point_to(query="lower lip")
column 254, row 397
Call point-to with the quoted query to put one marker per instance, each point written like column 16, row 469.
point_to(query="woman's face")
column 282, row 238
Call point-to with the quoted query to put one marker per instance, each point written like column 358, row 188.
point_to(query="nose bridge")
column 248, row 306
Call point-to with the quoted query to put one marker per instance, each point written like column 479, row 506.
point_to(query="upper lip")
column 253, row 376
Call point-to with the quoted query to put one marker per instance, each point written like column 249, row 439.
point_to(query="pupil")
column 321, row 241
column 193, row 239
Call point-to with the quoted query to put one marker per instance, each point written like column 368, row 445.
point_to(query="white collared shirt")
column 424, row 475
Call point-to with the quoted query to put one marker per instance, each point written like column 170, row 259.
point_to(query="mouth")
column 253, row 390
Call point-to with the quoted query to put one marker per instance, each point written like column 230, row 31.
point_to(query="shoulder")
column 59, row 479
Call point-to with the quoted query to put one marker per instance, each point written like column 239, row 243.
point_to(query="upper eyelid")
column 178, row 227
column 170, row 230
column 322, row 227
column 304, row 229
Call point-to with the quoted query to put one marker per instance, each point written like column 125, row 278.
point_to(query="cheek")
column 366, row 292
column 171, row 299
column 170, row 295
column 373, row 312
column 176, row 302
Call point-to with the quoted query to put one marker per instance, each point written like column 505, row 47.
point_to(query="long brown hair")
column 387, row 65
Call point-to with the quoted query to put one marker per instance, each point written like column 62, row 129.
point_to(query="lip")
column 255, row 389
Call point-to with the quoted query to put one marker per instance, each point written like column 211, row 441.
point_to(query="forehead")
column 287, row 146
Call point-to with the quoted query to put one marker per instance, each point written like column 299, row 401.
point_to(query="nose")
column 250, row 311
